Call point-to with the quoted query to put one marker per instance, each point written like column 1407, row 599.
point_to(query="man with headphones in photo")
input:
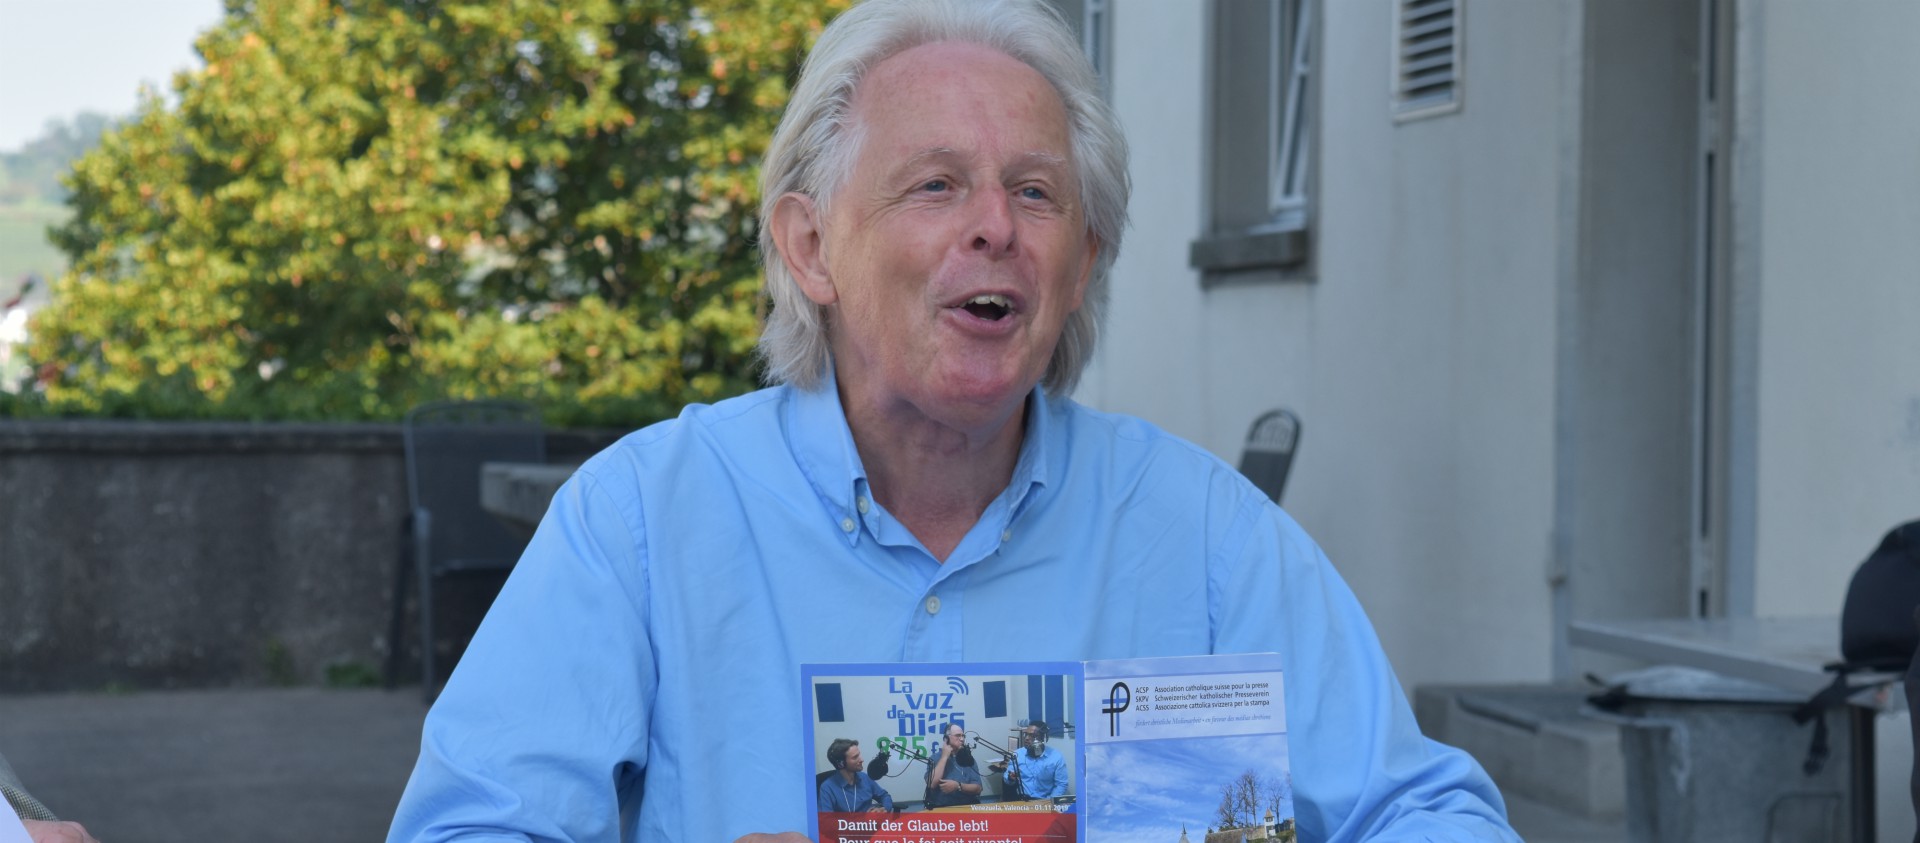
column 953, row 779
column 1038, row 773
column 850, row 790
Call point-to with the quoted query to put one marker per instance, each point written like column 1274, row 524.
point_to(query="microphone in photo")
column 977, row 742
column 877, row 768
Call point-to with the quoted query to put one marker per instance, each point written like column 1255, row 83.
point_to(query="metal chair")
column 446, row 533
column 1271, row 442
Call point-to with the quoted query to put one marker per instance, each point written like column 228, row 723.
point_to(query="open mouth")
column 992, row 308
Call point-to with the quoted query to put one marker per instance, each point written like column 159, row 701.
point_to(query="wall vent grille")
column 1426, row 58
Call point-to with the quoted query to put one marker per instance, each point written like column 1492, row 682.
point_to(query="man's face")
column 852, row 763
column 956, row 738
column 957, row 248
column 1030, row 738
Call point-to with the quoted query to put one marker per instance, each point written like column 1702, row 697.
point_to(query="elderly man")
column 951, row 778
column 942, row 200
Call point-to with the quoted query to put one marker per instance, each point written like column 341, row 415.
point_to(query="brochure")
column 1156, row 750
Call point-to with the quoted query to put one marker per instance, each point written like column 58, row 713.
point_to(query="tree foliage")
column 358, row 205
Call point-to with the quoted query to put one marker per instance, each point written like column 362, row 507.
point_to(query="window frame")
column 1092, row 23
column 1262, row 223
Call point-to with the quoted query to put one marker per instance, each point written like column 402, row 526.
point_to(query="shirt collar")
column 822, row 444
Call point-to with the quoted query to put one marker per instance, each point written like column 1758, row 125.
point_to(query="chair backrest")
column 446, row 444
column 1271, row 443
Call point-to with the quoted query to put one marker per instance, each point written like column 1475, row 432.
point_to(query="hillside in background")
column 24, row 249
column 32, row 199
column 32, row 173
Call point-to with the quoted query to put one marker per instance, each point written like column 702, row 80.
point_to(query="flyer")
column 1157, row 750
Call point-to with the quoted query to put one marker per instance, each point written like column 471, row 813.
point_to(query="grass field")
column 23, row 243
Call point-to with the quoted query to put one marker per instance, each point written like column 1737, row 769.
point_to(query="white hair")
column 814, row 149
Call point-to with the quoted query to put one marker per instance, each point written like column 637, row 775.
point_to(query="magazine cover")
column 1157, row 750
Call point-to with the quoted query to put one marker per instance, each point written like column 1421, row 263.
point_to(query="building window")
column 1092, row 20
column 1289, row 68
column 1260, row 137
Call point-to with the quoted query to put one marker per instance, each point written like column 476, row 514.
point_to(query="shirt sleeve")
column 542, row 729
column 1059, row 770
column 1374, row 777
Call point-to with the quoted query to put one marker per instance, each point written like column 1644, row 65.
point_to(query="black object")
column 446, row 531
column 1268, row 456
column 1876, row 624
column 877, row 768
column 1880, row 624
column 1913, row 718
column 1878, row 631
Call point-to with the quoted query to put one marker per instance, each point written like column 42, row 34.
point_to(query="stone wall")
column 148, row 554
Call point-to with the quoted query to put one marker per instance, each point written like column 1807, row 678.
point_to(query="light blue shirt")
column 1044, row 777
column 836, row 795
column 655, row 627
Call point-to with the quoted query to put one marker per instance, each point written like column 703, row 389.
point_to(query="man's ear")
column 801, row 239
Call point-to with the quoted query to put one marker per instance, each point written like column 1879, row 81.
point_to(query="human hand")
column 60, row 832
column 783, row 837
column 949, row 785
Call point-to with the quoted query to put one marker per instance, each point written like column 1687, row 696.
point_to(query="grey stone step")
column 1534, row 742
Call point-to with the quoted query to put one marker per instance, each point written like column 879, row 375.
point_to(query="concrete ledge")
column 151, row 437
column 118, row 436
column 519, row 494
column 209, row 554
column 1533, row 741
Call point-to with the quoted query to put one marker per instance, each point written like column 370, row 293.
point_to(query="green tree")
column 1249, row 800
column 358, row 205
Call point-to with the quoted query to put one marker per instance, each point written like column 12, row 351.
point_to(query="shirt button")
column 864, row 505
column 1006, row 535
column 846, row 524
column 933, row 605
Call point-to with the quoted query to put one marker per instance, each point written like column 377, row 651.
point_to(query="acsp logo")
column 1119, row 698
